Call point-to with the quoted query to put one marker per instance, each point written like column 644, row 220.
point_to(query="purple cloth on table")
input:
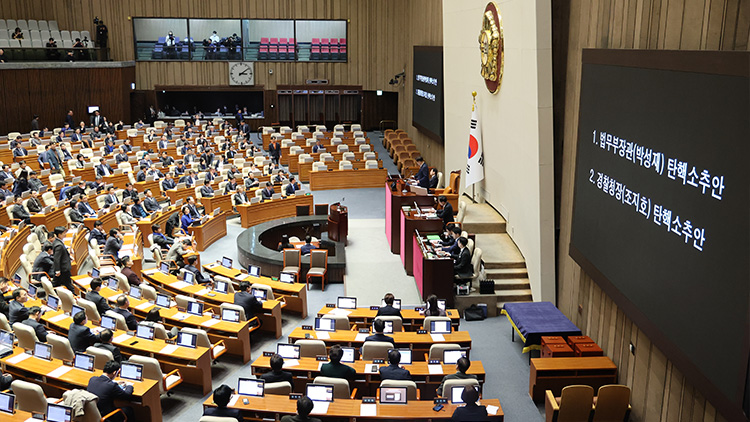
column 537, row 319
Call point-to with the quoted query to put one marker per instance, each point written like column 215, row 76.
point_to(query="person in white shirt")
column 214, row 38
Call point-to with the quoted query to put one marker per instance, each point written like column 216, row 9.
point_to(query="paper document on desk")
column 339, row 311
column 58, row 318
column 435, row 369
column 320, row 407
column 121, row 338
column 168, row 349
column 437, row 337
column 180, row 316
column 210, row 322
column 233, row 400
column 144, row 305
column 243, row 277
column 202, row 292
column 492, row 410
column 57, row 373
column 322, row 335
column 178, row 285
column 360, row 337
column 18, row 358
column 368, row 410
column 84, row 281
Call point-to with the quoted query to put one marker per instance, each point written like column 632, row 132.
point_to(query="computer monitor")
column 75, row 309
column 259, row 294
column 53, row 302
column 135, row 292
column 145, row 332
column 451, row 356
column 253, row 270
column 7, row 403
column 59, row 413
column 84, row 361
column 43, row 350
column 348, row 356
column 405, row 356
column 325, row 324
column 187, row 339
column 440, row 327
column 250, row 387
column 32, row 290
column 195, row 308
column 113, row 284
column 231, row 315
column 94, row 272
column 226, row 262
column 189, row 277
column 456, row 392
column 346, row 302
column 7, row 339
column 396, row 303
column 319, row 392
column 164, row 267
column 393, row 395
column 441, row 304
column 388, row 327
column 286, row 278
column 92, row 109
column 288, row 351
column 220, row 286
column 131, row 371
column 109, row 322
column 163, row 300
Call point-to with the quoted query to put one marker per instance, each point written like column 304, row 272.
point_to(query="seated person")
column 136, row 209
column 446, row 212
column 222, row 394
column 378, row 326
column 35, row 314
column 206, row 190
column 304, row 407
column 462, row 264
column 433, row 178
column 105, row 342
column 268, row 191
column 284, row 244
column 79, row 335
column 451, row 246
column 159, row 238
column 177, row 250
column 17, row 311
column 150, row 203
column 462, row 365
column 244, row 297
column 43, row 263
column 472, row 411
column 277, row 374
column 334, row 368
column 393, row 371
column 199, row 277
column 431, row 307
column 127, row 271
column 186, row 220
column 292, row 187
column 153, row 318
column 307, row 247
column 388, row 309
column 240, row 197
column 122, row 308
column 19, row 212
column 96, row 298
column 108, row 390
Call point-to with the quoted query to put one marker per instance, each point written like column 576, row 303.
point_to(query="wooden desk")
column 118, row 180
column 419, row 343
column 177, row 194
column 236, row 335
column 194, row 364
column 217, row 201
column 52, row 219
column 412, row 320
column 12, row 250
column 271, row 316
column 160, row 218
column 347, row 179
column 409, row 223
column 153, row 185
column 273, row 407
column 145, row 393
column 108, row 219
column 209, row 232
column 252, row 214
column 295, row 295
column 393, row 203
column 432, row 273
column 84, row 174
column 367, row 382
column 556, row 373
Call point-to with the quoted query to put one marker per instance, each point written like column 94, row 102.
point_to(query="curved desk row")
column 347, row 179
column 412, row 319
column 252, row 214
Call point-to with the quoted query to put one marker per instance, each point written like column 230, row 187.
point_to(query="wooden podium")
column 338, row 223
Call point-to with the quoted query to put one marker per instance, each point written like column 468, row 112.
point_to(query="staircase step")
column 484, row 227
column 504, row 264
column 482, row 218
column 512, row 284
column 521, row 295
column 506, row 273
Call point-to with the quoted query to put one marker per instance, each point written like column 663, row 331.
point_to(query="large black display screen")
column 427, row 92
column 661, row 213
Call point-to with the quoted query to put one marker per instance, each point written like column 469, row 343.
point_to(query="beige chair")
column 47, row 286
column 376, row 350
column 26, row 335
column 67, row 299
column 309, row 348
column 92, row 314
column 30, row 397
column 4, row 323
column 119, row 320
column 345, row 165
column 152, row 370
column 182, row 301
column 279, row 388
column 90, row 409
column 148, row 292
column 318, row 267
column 461, row 212
column 217, row 419
column 241, row 310
column 265, row 288
column 371, row 164
column 612, row 403
column 342, row 321
column 230, row 284
column 412, row 392
column 574, row 404
column 436, row 350
column 217, row 349
column 60, row 347
column 340, row 387
column 398, row 323
column 449, row 384
column 429, row 319
column 101, row 356
column 122, row 282
column 476, row 265
column 291, row 259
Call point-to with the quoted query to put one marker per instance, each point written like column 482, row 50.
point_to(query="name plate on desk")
column 440, row 400
column 364, row 330
column 421, row 331
column 295, row 396
column 307, row 327
column 380, row 361
column 374, row 308
column 268, row 354
column 321, row 358
column 330, row 305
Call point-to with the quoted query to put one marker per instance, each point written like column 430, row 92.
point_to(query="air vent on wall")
column 317, row 82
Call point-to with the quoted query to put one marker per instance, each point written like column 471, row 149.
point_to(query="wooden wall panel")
column 660, row 391
column 380, row 40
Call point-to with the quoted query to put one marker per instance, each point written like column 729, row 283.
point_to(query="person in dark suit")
column 129, row 192
column 189, row 179
column 393, row 371
column 446, row 213
column 334, row 368
column 307, row 247
column 79, row 335
column 433, row 179
column 18, row 312
column 33, row 204
column 20, row 151
column 122, row 308
column 19, row 212
column 240, row 197
column 104, row 387
column 150, row 204
column 98, row 234
column 105, row 342
column 69, row 118
column 85, row 208
column 199, row 277
column 423, row 175
column 43, row 262
column 462, row 365
column 121, row 156
column 243, row 297
column 168, row 183
column 388, row 309
column 61, row 258
column 74, row 215
column 96, row 119
column 93, row 295
column 194, row 213
column 451, row 244
column 472, row 411
column 127, row 271
column 274, row 149
column 462, row 264
column 378, row 326
column 304, row 407
column 206, row 190
column 103, row 169
column 111, row 197
column 222, row 394
column 35, row 314
column 113, row 244
column 159, row 238
column 277, row 374
column 292, row 187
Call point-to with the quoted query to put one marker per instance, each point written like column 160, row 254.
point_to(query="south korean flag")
column 475, row 161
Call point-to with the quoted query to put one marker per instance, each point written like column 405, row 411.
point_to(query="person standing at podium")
column 423, row 175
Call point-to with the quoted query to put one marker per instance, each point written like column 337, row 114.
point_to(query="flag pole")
column 473, row 104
